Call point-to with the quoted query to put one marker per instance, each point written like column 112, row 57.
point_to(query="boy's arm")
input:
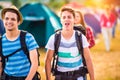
column 89, row 63
column 49, row 56
column 34, row 64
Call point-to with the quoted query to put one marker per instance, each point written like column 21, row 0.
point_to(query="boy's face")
column 67, row 20
column 10, row 21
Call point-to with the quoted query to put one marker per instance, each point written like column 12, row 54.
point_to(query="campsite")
column 41, row 22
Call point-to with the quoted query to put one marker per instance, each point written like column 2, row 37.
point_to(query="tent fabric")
column 40, row 21
column 93, row 22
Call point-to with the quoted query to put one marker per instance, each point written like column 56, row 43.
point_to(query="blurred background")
column 41, row 18
column 43, row 15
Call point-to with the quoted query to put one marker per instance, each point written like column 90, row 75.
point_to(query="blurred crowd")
column 102, row 20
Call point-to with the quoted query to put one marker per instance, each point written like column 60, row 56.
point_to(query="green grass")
column 106, row 64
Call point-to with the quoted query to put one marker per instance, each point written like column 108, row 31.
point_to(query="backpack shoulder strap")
column 24, row 46
column 1, row 55
column 56, row 46
column 57, row 41
column 78, row 36
column 81, row 29
column 1, row 51
column 23, row 43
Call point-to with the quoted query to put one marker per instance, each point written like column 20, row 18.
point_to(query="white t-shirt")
column 69, row 58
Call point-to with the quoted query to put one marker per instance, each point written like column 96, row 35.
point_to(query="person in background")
column 107, row 21
column 69, row 59
column 115, row 16
column 79, row 23
column 17, row 66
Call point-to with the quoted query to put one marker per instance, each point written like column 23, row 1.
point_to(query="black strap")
column 57, row 41
column 56, row 46
column 81, row 29
column 23, row 47
column 23, row 44
column 12, row 53
column 78, row 37
column 1, row 54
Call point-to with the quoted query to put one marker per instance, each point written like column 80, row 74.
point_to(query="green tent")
column 40, row 21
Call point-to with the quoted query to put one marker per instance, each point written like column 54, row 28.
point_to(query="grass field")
column 106, row 64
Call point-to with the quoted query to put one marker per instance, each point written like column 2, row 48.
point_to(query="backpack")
column 24, row 48
column 80, row 28
column 78, row 37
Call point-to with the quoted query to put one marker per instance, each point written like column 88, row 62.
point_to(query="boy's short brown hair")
column 67, row 9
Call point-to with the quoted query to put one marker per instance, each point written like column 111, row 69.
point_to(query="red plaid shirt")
column 90, row 36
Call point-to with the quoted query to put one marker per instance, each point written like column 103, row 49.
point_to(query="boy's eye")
column 6, row 18
column 69, row 17
column 64, row 17
column 13, row 19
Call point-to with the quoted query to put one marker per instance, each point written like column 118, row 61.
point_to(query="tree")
column 57, row 4
column 1, row 7
column 17, row 3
